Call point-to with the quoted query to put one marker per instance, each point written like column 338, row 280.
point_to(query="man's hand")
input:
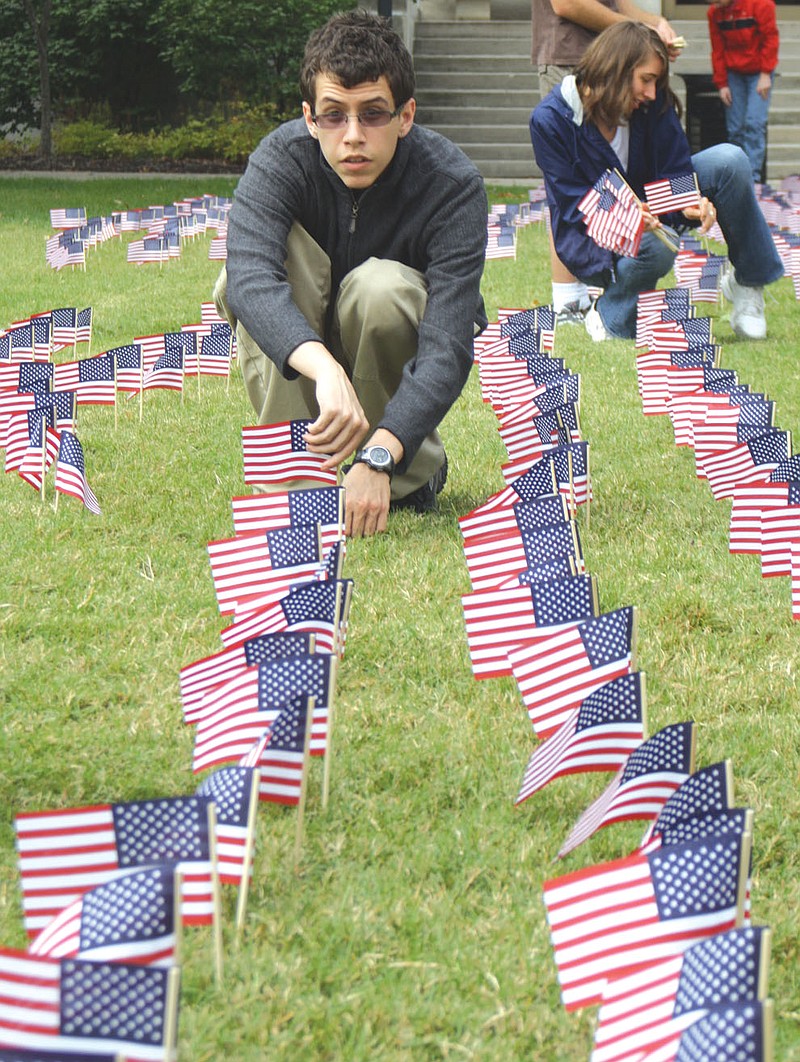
column 341, row 424
column 725, row 96
column 366, row 501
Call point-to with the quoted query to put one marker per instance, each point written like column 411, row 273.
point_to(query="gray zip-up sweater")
column 427, row 210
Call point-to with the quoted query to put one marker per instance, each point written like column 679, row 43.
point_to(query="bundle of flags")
column 612, row 213
column 614, row 216
column 656, row 938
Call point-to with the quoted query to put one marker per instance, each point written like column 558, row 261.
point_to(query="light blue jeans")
column 746, row 119
column 723, row 174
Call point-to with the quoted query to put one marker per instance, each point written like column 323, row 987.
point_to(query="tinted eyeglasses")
column 371, row 118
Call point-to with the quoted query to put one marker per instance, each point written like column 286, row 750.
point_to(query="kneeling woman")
column 617, row 111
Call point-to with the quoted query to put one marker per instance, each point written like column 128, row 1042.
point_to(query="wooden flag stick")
column 763, row 967
column 215, row 892
column 44, row 459
column 301, row 804
column 141, row 385
column 768, row 1029
column 177, row 915
column 643, row 687
column 326, row 767
column 249, row 846
column 171, row 1017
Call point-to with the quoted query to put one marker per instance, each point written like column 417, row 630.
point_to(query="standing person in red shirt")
column 744, row 54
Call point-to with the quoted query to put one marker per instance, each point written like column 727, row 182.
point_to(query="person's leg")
column 570, row 296
column 735, row 114
column 755, row 127
column 723, row 174
column 617, row 304
column 273, row 397
column 376, row 332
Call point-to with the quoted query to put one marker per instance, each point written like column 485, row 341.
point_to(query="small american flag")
column 672, row 193
column 232, row 716
column 129, row 919
column 91, row 379
column 599, row 735
column 231, row 790
column 646, row 1010
column 215, row 354
column 323, row 506
column 167, row 372
column 199, row 677
column 63, row 853
column 556, row 670
column 498, row 621
column 642, row 785
column 283, row 762
column 93, row 1009
column 276, row 453
column 83, row 325
column 317, row 607
column 63, row 323
column 148, row 249
column 128, row 367
column 681, row 335
column 67, row 217
column 547, row 509
column 609, row 919
column 256, row 563
column 42, row 449
column 745, row 463
column 71, row 472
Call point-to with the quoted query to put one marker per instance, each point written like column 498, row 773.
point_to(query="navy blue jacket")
column 572, row 157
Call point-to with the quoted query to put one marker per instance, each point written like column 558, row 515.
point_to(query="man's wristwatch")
column 377, row 458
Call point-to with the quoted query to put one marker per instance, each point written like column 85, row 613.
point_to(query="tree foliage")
column 142, row 64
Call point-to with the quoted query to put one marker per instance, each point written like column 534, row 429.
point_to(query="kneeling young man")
column 355, row 252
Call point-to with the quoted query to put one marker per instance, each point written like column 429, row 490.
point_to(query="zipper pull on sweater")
column 353, row 215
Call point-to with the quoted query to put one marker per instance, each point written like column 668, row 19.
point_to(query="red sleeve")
column 764, row 11
column 719, row 71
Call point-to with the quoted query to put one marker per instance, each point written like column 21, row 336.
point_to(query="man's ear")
column 309, row 123
column 406, row 116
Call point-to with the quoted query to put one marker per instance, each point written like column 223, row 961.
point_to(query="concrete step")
column 476, row 85
column 478, row 99
column 438, row 117
column 483, row 28
column 429, row 84
column 471, row 65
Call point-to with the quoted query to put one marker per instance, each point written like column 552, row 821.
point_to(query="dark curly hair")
column 357, row 46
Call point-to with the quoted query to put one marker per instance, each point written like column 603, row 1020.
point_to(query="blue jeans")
column 746, row 119
column 723, row 174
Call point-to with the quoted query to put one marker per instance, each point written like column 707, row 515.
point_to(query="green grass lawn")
column 414, row 928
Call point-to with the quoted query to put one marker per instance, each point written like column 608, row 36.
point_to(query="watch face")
column 377, row 457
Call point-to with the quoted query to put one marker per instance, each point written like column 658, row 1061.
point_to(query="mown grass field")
column 414, row 928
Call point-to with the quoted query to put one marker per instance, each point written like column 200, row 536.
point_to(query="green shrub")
column 225, row 137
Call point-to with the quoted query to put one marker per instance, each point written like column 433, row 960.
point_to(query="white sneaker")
column 594, row 325
column 571, row 314
column 747, row 308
